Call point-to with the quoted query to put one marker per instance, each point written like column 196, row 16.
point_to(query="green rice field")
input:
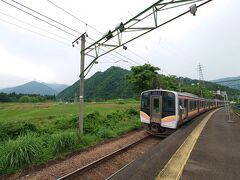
column 35, row 133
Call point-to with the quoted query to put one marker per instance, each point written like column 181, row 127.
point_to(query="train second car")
column 162, row 111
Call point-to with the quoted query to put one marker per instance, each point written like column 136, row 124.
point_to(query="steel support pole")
column 228, row 109
column 81, row 87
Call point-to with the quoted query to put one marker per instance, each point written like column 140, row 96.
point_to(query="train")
column 163, row 111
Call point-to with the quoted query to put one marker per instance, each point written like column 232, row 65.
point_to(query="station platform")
column 207, row 147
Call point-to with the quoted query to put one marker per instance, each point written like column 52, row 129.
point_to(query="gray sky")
column 210, row 38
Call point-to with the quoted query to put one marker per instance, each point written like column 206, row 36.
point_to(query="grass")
column 37, row 133
column 19, row 153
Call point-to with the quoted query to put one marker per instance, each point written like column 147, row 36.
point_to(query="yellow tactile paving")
column 173, row 169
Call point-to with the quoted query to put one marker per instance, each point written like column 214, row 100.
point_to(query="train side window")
column 168, row 104
column 191, row 105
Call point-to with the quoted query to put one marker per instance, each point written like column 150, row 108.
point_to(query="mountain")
column 110, row 84
column 232, row 82
column 32, row 87
column 211, row 86
column 56, row 87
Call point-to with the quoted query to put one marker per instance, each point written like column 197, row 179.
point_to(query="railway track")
column 234, row 111
column 106, row 166
column 237, row 113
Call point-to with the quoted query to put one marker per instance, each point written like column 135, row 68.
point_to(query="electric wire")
column 118, row 53
column 74, row 16
column 180, row 5
column 39, row 18
column 24, row 22
column 46, row 16
column 91, row 27
column 40, row 34
column 120, row 59
column 149, row 30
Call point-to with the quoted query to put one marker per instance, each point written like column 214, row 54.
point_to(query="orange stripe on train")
column 144, row 115
column 168, row 119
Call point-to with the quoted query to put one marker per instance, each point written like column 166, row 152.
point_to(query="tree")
column 143, row 78
column 4, row 97
column 24, row 99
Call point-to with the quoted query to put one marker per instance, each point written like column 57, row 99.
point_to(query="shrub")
column 24, row 99
column 12, row 129
column 131, row 111
column 107, row 133
column 20, row 152
column 64, row 141
column 92, row 123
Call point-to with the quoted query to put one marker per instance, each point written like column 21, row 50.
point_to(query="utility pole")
column 81, row 87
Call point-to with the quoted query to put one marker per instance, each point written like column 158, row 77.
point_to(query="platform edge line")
column 174, row 167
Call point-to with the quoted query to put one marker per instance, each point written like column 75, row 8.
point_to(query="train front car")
column 159, row 111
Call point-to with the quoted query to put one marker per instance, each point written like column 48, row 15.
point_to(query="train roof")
column 186, row 94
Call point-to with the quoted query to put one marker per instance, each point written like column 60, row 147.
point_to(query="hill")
column 56, row 87
column 110, row 84
column 232, row 82
column 211, row 86
column 34, row 87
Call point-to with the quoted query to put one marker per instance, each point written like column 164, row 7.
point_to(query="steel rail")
column 93, row 164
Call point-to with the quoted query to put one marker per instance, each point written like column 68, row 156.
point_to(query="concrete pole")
column 228, row 109
column 81, row 87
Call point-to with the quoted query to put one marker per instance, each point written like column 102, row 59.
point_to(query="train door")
column 156, row 108
column 186, row 108
column 181, row 110
column 198, row 106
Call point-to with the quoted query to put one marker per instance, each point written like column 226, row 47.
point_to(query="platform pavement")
column 216, row 154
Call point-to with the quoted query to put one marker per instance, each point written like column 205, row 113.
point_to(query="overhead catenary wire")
column 45, row 36
column 74, row 16
column 39, row 19
column 64, row 10
column 24, row 22
column 118, row 53
column 91, row 27
column 46, row 16
column 117, row 56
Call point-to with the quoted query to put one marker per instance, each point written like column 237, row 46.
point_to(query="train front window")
column 168, row 104
column 156, row 105
column 145, row 103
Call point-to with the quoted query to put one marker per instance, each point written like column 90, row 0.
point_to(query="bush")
column 24, row 99
column 20, row 152
column 107, row 133
column 64, row 141
column 132, row 112
column 92, row 123
column 12, row 129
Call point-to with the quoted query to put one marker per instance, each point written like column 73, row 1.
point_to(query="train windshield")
column 167, row 104
column 145, row 102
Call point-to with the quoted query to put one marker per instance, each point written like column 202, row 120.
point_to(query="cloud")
column 23, row 68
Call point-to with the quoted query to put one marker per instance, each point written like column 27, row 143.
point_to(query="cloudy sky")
column 43, row 53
